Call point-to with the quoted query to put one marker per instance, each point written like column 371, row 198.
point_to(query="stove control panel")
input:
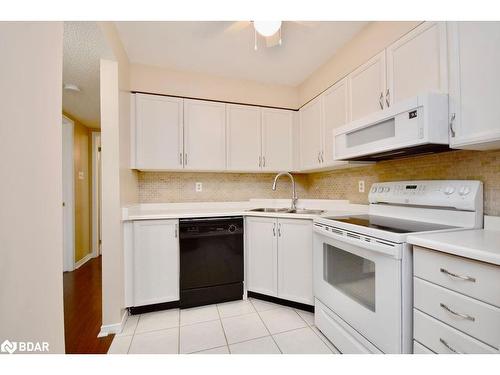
column 457, row 194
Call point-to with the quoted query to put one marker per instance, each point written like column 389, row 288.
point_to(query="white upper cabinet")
column 417, row 63
column 367, row 87
column 335, row 114
column 474, row 85
column 155, row 262
column 204, row 135
column 311, row 142
column 295, row 268
column 243, row 138
column 277, row 140
column 158, row 132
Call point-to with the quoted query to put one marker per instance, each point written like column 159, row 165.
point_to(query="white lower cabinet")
column 155, row 257
column 262, row 255
column 449, row 314
column 279, row 258
column 295, row 260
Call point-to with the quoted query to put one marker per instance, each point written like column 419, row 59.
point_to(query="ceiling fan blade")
column 237, row 26
column 273, row 40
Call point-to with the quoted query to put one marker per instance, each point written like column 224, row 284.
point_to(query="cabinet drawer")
column 475, row 279
column 418, row 348
column 444, row 339
column 468, row 315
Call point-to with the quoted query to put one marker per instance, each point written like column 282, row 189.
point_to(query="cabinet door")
column 295, row 279
column 262, row 255
column 277, row 132
column 158, row 126
column 367, row 87
column 417, row 63
column 156, row 262
column 474, row 78
column 335, row 114
column 204, row 135
column 243, row 138
column 310, row 134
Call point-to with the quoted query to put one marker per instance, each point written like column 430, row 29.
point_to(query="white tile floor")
column 242, row 327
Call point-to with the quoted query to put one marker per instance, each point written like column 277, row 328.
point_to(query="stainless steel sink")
column 270, row 210
column 306, row 212
column 288, row 211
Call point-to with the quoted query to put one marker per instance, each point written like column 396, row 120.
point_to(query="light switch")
column 198, row 187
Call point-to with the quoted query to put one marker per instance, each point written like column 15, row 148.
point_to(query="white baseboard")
column 84, row 260
column 113, row 328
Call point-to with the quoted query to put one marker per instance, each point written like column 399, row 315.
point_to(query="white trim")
column 84, row 260
column 96, row 183
column 113, row 328
column 69, row 228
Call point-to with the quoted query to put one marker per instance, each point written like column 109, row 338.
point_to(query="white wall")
column 31, row 275
column 120, row 183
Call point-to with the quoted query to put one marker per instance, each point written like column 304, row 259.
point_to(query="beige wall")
column 82, row 162
column 374, row 38
column 196, row 85
column 339, row 184
column 31, row 249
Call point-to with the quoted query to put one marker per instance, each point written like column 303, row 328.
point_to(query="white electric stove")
column 363, row 265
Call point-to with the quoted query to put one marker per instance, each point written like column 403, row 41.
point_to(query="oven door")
column 361, row 282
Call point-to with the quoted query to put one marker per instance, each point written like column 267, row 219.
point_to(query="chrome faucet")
column 294, row 192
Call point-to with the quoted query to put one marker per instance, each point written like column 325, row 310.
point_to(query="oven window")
column 350, row 274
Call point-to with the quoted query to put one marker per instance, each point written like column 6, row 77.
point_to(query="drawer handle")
column 465, row 278
column 449, row 347
column 465, row 316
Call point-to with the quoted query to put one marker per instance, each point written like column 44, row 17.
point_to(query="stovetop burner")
column 390, row 224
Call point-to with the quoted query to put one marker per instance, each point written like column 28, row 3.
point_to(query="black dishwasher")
column 211, row 260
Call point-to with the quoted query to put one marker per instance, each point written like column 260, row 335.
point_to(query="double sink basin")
column 288, row 211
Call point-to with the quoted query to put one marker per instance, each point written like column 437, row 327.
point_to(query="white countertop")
column 149, row 211
column 478, row 244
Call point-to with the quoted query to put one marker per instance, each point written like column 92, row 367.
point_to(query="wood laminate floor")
column 82, row 310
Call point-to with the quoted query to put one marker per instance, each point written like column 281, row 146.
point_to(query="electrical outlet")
column 198, row 187
column 361, row 186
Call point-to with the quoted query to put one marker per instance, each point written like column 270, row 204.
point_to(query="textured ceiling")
column 227, row 48
column 84, row 46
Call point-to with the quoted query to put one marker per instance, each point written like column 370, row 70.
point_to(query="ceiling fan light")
column 267, row 28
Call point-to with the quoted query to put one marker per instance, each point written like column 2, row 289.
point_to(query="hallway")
column 82, row 310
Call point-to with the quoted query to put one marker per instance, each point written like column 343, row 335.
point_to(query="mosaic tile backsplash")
column 161, row 187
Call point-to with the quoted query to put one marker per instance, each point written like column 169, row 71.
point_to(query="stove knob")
column 464, row 190
column 449, row 190
column 380, row 189
column 232, row 228
column 374, row 189
column 387, row 189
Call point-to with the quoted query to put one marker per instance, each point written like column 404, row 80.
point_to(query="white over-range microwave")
column 413, row 126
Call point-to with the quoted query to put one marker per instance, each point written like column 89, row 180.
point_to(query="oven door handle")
column 373, row 245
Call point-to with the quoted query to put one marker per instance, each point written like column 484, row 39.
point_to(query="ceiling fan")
column 269, row 30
